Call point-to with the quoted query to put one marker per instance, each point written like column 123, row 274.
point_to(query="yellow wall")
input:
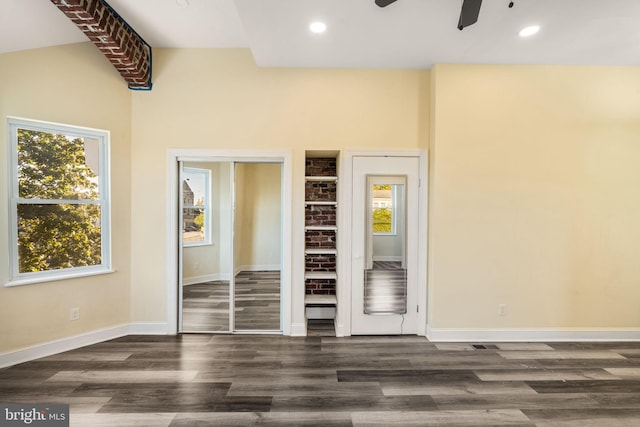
column 71, row 84
column 219, row 99
column 535, row 197
column 258, row 216
column 533, row 178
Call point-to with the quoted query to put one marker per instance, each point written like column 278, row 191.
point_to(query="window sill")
column 57, row 277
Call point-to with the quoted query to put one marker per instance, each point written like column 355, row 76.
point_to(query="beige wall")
column 534, row 197
column 533, row 178
column 258, row 216
column 71, row 84
column 218, row 99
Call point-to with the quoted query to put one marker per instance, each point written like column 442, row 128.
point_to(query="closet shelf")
column 320, row 299
column 321, row 251
column 320, row 275
column 322, row 178
column 315, row 203
column 320, row 228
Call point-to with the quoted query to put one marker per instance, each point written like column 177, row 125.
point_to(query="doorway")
column 385, row 239
column 227, row 279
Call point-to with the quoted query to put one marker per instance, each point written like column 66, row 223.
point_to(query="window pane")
column 193, row 225
column 57, row 166
column 53, row 237
column 194, row 189
column 382, row 205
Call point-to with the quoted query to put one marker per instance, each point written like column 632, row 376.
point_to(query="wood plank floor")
column 239, row 380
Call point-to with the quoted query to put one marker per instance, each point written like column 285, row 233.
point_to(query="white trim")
column 209, row 155
column 298, row 330
column 387, row 258
column 343, row 315
column 256, row 267
column 103, row 138
column 528, row 335
column 75, row 273
column 205, row 278
column 63, row 344
column 148, row 328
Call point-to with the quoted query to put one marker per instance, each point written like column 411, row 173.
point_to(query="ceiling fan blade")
column 469, row 13
column 384, row 3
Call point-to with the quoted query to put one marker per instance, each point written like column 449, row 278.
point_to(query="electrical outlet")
column 74, row 313
column 502, row 309
column 196, row 265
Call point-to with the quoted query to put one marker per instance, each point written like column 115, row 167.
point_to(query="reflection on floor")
column 206, row 305
column 385, row 288
column 258, row 300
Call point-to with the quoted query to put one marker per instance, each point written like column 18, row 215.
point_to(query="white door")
column 384, row 227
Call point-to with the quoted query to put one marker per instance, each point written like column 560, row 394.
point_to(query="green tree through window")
column 53, row 234
column 382, row 208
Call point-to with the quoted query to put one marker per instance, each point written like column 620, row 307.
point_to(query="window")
column 59, row 201
column 383, row 208
column 196, row 206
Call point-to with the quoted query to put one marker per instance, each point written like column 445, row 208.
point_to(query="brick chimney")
column 117, row 41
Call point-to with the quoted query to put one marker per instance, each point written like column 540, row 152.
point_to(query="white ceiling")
column 406, row 34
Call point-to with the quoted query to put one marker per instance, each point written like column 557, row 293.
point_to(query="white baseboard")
column 387, row 258
column 298, row 330
column 148, row 328
column 532, row 335
column 64, row 344
column 257, row 267
column 205, row 278
column 340, row 330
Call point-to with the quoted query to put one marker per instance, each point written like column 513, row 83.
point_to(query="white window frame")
column 103, row 138
column 207, row 206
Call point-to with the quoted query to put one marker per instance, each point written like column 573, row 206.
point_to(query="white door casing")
column 408, row 168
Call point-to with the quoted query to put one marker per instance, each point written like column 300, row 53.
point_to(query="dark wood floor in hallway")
column 241, row 380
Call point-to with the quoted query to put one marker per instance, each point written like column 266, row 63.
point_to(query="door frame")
column 173, row 243
column 345, row 203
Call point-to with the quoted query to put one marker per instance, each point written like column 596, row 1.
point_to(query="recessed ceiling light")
column 318, row 27
column 529, row 31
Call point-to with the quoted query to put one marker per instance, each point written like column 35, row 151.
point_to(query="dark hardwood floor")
column 239, row 380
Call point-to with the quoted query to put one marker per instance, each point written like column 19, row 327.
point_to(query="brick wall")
column 320, row 191
column 320, row 239
column 320, row 262
column 320, row 215
column 126, row 51
column 321, row 167
column 320, row 287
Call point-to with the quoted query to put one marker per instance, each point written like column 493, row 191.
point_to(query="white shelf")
column 315, row 203
column 321, row 251
column 322, row 178
column 321, row 228
column 320, row 299
column 320, row 275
